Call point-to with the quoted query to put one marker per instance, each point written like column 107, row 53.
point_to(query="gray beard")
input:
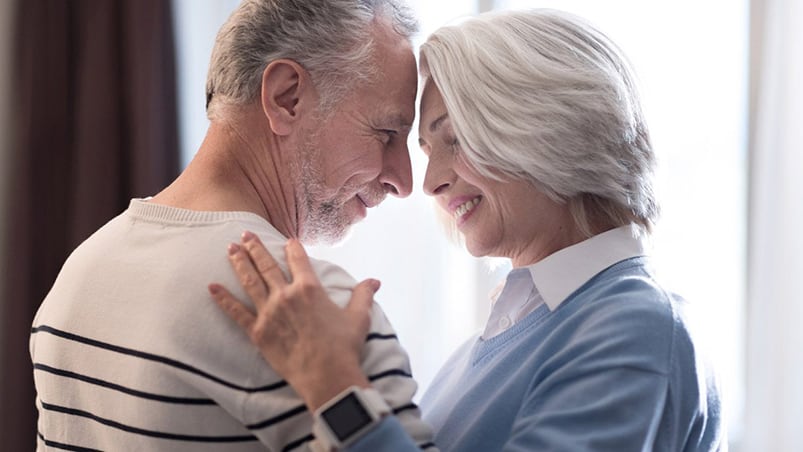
column 320, row 222
column 323, row 224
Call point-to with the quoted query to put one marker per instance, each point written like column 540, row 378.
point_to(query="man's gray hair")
column 542, row 95
column 331, row 39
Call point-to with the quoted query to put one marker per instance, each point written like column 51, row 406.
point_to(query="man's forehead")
column 396, row 84
column 400, row 120
column 396, row 110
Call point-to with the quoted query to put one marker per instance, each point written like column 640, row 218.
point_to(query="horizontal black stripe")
column 178, row 364
column 123, row 389
column 150, row 433
column 161, row 359
column 188, row 401
column 156, row 358
column 298, row 443
column 62, row 446
column 276, row 419
column 390, row 373
column 403, row 408
column 380, row 336
column 426, row 446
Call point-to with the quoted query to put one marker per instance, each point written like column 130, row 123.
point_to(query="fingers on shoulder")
column 299, row 262
column 362, row 297
column 247, row 273
column 230, row 305
column 264, row 262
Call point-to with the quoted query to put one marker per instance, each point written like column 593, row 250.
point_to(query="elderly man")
column 310, row 104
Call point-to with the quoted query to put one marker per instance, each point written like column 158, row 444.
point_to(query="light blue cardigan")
column 613, row 367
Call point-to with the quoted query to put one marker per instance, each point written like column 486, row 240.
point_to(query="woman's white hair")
column 331, row 39
column 542, row 95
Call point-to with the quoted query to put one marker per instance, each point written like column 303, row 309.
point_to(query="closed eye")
column 386, row 135
column 453, row 143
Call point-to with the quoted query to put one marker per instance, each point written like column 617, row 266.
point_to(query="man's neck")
column 237, row 168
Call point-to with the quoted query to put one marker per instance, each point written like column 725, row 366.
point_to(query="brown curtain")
column 96, row 125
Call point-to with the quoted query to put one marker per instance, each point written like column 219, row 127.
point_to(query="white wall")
column 195, row 24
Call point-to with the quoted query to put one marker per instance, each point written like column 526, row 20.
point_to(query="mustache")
column 372, row 196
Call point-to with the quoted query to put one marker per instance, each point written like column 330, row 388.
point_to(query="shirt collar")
column 563, row 272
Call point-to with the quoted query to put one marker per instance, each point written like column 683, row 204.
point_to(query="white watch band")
column 347, row 416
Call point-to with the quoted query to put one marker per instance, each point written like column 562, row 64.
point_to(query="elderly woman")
column 538, row 150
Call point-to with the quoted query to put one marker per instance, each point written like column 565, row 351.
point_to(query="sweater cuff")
column 387, row 436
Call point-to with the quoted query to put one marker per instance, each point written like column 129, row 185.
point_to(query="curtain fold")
column 95, row 110
column 774, row 404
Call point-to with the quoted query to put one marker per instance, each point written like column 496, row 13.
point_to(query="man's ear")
column 286, row 94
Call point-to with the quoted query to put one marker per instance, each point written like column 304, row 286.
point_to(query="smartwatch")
column 346, row 417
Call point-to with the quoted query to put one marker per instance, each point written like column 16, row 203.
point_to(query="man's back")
column 130, row 353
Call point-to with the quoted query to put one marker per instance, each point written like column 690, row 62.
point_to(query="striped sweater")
column 130, row 352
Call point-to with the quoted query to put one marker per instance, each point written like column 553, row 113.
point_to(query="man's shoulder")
column 332, row 275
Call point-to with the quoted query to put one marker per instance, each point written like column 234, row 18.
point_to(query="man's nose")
column 397, row 173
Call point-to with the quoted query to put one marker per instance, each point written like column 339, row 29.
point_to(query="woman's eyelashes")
column 452, row 142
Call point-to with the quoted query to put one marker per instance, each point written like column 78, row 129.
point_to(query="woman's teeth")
column 465, row 207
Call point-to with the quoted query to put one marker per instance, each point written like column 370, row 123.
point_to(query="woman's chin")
column 473, row 248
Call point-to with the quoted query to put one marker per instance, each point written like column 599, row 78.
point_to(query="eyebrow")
column 433, row 126
column 399, row 122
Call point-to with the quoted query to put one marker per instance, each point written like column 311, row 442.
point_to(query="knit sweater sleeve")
column 384, row 361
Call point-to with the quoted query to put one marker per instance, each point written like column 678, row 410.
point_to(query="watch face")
column 346, row 417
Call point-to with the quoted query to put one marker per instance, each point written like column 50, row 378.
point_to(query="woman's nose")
column 438, row 178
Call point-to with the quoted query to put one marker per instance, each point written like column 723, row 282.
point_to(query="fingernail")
column 214, row 289
column 248, row 236
column 233, row 248
column 376, row 284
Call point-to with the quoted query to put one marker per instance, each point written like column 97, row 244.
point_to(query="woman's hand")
column 310, row 341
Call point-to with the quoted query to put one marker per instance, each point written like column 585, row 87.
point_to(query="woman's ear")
column 286, row 91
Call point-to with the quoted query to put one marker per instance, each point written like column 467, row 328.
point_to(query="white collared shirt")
column 555, row 277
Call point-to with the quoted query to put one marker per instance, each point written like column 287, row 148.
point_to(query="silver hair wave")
column 331, row 39
column 543, row 96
